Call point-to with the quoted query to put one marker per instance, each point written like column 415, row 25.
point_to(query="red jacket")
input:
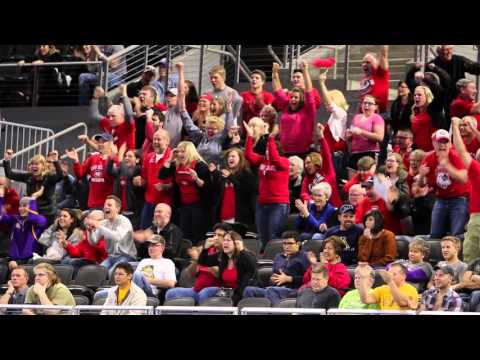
column 11, row 206
column 100, row 183
column 250, row 107
column 356, row 179
column 150, row 171
column 327, row 172
column 123, row 133
column 338, row 277
column 273, row 173
column 87, row 251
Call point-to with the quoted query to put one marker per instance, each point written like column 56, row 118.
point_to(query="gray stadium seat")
column 151, row 301
column 217, row 301
column 65, row 273
column 92, row 276
column 273, row 248
column 287, row 303
column 313, row 245
column 402, row 249
column 254, row 302
column 181, row 301
column 263, row 276
column 435, row 251
column 81, row 300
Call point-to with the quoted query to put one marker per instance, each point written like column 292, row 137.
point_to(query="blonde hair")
column 40, row 159
column 215, row 121
column 258, row 123
column 191, row 153
column 325, row 187
column 472, row 119
column 50, row 270
column 428, row 96
column 217, row 69
column 338, row 98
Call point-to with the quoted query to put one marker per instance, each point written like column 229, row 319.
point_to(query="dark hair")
column 125, row 266
column 24, row 271
column 118, row 202
column 301, row 102
column 291, row 235
column 297, row 71
column 261, row 73
column 319, row 268
column 223, row 226
column 192, row 95
column 337, row 243
column 377, row 217
column 402, row 267
column 75, row 224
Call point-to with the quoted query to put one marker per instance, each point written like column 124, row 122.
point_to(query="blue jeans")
column 199, row 297
column 475, row 301
column 453, row 212
column 146, row 217
column 140, row 281
column 270, row 219
column 85, row 81
column 272, row 293
column 112, row 261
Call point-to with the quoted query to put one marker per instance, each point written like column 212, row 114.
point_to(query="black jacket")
column 245, row 185
column 400, row 115
column 245, row 263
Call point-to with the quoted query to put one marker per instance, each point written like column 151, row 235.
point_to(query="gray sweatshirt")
column 118, row 235
column 236, row 102
column 173, row 124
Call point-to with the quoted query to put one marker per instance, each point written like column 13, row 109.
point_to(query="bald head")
column 162, row 215
column 356, row 194
column 116, row 115
column 160, row 141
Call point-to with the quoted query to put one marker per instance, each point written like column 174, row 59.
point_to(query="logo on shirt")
column 366, row 85
column 443, row 179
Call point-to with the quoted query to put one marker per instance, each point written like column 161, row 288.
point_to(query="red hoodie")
column 100, row 183
column 123, row 133
column 327, row 174
column 150, row 171
column 273, row 173
column 87, row 251
column 338, row 277
column 356, row 179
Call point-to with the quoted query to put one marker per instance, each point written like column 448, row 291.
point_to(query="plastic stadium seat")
column 287, row 303
column 99, row 300
column 3, row 273
column 92, row 276
column 313, row 245
column 185, row 279
column 151, row 301
column 251, row 244
column 263, row 276
column 81, row 300
column 378, row 280
column 181, row 301
column 65, row 273
column 217, row 301
column 435, row 252
column 290, row 225
column 351, row 272
column 402, row 249
column 273, row 248
column 254, row 302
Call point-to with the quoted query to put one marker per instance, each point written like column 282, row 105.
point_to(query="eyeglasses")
column 288, row 243
column 368, row 103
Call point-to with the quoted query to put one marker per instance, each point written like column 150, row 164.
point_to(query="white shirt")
column 161, row 269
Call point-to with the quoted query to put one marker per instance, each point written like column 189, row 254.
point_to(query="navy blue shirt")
column 350, row 236
column 294, row 266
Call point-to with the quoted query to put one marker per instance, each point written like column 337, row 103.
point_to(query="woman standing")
column 401, row 109
column 422, row 122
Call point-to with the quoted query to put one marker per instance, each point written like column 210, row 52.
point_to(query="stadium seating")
column 217, row 301
column 254, row 302
column 181, row 301
column 287, row 303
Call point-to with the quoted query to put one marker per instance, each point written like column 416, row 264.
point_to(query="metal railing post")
column 237, row 65
column 105, row 75
column 415, row 53
column 169, row 57
column 335, row 53
column 299, row 49
column 292, row 55
column 35, row 86
column 427, row 53
column 147, row 48
column 346, row 66
column 200, row 73
column 285, row 55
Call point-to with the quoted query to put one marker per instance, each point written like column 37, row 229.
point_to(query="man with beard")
column 348, row 231
column 441, row 297
column 444, row 170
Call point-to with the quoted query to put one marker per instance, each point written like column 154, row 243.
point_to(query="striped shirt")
column 451, row 300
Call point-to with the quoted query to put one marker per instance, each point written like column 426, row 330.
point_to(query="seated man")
column 441, row 297
column 117, row 232
column 155, row 273
column 396, row 295
column 450, row 248
column 319, row 294
column 348, row 231
column 47, row 290
column 288, row 270
column 17, row 289
column 352, row 299
column 470, row 284
column 125, row 292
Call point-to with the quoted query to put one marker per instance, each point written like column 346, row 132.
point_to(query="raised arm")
column 181, row 87
column 280, row 162
column 383, row 60
column 9, row 173
column 306, row 76
column 401, row 299
column 366, row 296
column 253, row 158
column 322, row 78
column 276, row 84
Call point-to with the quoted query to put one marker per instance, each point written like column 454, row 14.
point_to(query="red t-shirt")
column 204, row 277
column 123, row 133
column 423, row 129
column 438, row 177
column 462, row 107
column 189, row 193
column 85, row 250
column 391, row 222
column 100, row 183
column 150, row 171
column 472, row 147
column 228, row 202
column 335, row 146
column 405, row 156
column 250, row 107
column 229, row 278
column 376, row 85
column 474, row 173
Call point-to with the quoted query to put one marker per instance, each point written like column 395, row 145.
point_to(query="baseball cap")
column 368, row 183
column 208, row 97
column 346, row 208
column 156, row 239
column 163, row 62
column 446, row 269
column 441, row 135
column 150, row 68
column 103, row 136
column 173, row 91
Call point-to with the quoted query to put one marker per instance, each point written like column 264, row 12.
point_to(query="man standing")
column 442, row 297
column 444, row 170
column 319, row 294
column 256, row 98
column 396, row 295
column 471, row 246
column 155, row 273
column 465, row 104
column 348, row 231
column 117, row 232
column 217, row 79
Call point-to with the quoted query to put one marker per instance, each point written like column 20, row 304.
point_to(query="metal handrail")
column 275, row 57
column 281, row 311
column 369, row 312
column 65, row 63
column 149, row 310
column 53, row 137
column 197, row 309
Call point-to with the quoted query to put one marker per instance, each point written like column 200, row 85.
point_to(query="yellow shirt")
column 122, row 294
column 385, row 298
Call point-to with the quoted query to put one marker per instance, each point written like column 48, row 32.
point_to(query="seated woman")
column 338, row 276
column 419, row 271
column 376, row 246
column 66, row 227
column 237, row 267
column 315, row 217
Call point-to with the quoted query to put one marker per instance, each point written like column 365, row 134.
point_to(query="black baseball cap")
column 346, row 208
column 446, row 269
